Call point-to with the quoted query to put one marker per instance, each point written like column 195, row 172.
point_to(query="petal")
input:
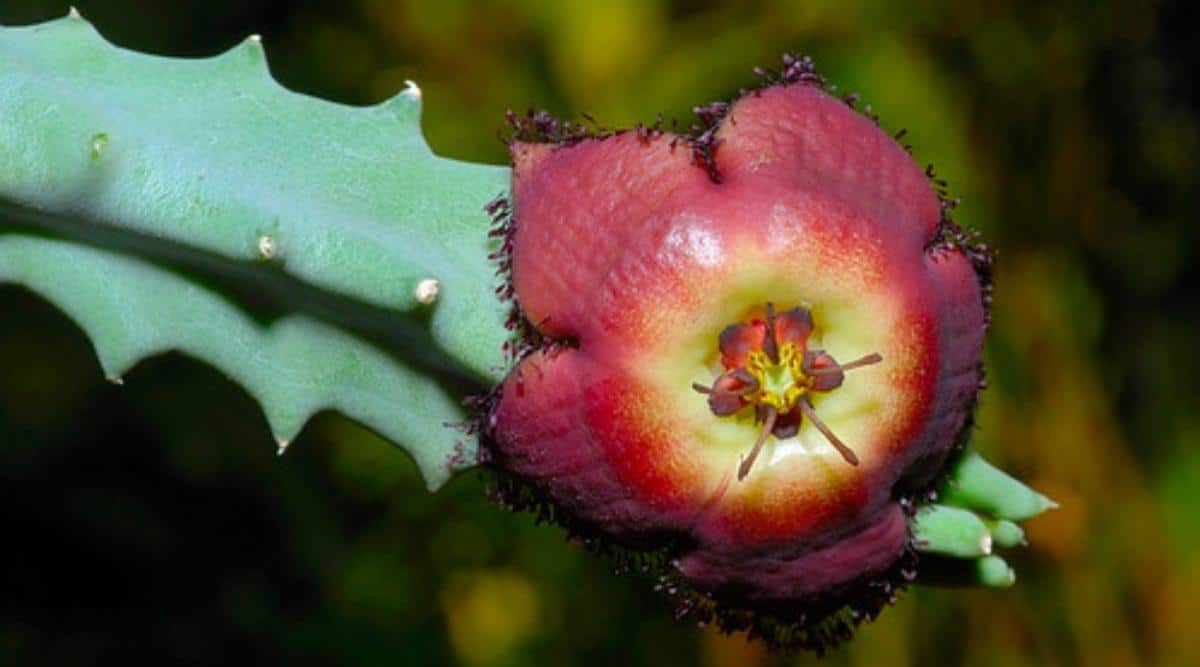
column 539, row 432
column 597, row 442
column 797, row 138
column 577, row 208
column 797, row 570
column 961, row 325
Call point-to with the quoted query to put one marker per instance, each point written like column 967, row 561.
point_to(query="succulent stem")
column 975, row 484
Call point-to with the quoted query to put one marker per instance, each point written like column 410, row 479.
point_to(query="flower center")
column 780, row 384
column 770, row 369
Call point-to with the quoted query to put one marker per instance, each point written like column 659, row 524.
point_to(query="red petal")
column 597, row 441
column 797, row 138
column 960, row 335
column 798, row 569
column 577, row 208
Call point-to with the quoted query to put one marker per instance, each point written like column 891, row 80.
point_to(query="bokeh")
column 153, row 521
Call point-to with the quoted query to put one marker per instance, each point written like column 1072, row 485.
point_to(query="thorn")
column 73, row 13
column 99, row 143
column 255, row 38
column 116, row 379
column 267, row 248
column 426, row 291
column 985, row 544
column 283, row 447
column 412, row 89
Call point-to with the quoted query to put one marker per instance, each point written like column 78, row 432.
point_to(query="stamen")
column 872, row 358
column 699, row 388
column 768, row 426
column 770, row 344
column 845, row 451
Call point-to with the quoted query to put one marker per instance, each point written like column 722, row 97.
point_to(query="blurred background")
column 153, row 521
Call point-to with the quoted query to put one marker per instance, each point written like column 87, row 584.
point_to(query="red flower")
column 784, row 481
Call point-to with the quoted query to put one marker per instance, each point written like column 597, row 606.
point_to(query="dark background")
column 154, row 521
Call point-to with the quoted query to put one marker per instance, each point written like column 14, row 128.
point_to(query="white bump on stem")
column 427, row 290
column 283, row 447
column 267, row 248
column 985, row 544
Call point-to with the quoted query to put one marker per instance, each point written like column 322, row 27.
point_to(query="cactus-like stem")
column 975, row 484
column 949, row 531
column 342, row 217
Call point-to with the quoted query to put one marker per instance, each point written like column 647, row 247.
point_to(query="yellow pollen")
column 780, row 385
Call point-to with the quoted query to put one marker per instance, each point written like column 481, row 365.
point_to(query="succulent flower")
column 685, row 302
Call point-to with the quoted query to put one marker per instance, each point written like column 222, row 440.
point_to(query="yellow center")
column 780, row 385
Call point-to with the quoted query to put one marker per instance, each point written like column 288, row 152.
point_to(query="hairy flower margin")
column 599, row 426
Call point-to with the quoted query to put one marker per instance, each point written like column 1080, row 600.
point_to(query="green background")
column 154, row 521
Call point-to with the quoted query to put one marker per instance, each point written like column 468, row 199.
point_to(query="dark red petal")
column 799, row 568
column 959, row 371
column 576, row 209
column 794, row 326
column 799, row 139
column 540, row 432
column 817, row 360
column 598, row 442
column 737, row 341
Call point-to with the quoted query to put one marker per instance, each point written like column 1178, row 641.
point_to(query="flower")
column 696, row 297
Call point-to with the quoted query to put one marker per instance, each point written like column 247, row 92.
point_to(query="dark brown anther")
column 724, row 404
column 788, row 425
column 725, row 396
